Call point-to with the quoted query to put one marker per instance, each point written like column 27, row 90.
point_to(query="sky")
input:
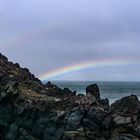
column 47, row 35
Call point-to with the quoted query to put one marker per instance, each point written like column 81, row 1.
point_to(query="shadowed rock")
column 30, row 110
column 93, row 90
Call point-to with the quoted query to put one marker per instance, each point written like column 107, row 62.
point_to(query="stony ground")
column 30, row 110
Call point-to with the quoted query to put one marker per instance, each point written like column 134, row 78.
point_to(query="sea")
column 111, row 90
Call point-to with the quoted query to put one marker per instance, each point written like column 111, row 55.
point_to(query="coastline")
column 31, row 110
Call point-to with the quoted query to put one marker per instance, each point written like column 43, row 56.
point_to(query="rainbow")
column 79, row 67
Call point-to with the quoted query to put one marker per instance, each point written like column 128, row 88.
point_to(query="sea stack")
column 93, row 90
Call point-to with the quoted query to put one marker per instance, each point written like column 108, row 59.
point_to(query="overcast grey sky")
column 45, row 35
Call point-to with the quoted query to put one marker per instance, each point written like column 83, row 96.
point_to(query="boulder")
column 74, row 120
column 127, row 106
column 93, row 90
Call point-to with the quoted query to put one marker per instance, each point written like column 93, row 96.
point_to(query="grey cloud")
column 45, row 35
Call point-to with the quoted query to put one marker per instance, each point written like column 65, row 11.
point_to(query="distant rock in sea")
column 31, row 110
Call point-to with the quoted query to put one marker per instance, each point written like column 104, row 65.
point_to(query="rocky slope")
column 30, row 110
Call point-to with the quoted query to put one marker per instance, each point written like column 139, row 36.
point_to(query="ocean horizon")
column 113, row 90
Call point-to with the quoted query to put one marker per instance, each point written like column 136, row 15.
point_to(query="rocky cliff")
column 30, row 110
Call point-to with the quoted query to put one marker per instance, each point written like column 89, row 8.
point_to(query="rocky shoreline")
column 30, row 110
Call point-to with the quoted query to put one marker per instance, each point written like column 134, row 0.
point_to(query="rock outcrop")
column 93, row 90
column 30, row 110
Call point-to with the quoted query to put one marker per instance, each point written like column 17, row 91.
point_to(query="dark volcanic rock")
column 54, row 90
column 30, row 110
column 93, row 90
column 126, row 106
column 125, row 115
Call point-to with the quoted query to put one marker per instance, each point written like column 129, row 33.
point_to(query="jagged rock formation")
column 30, row 110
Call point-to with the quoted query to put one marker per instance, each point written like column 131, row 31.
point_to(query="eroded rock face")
column 30, row 110
column 125, row 118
